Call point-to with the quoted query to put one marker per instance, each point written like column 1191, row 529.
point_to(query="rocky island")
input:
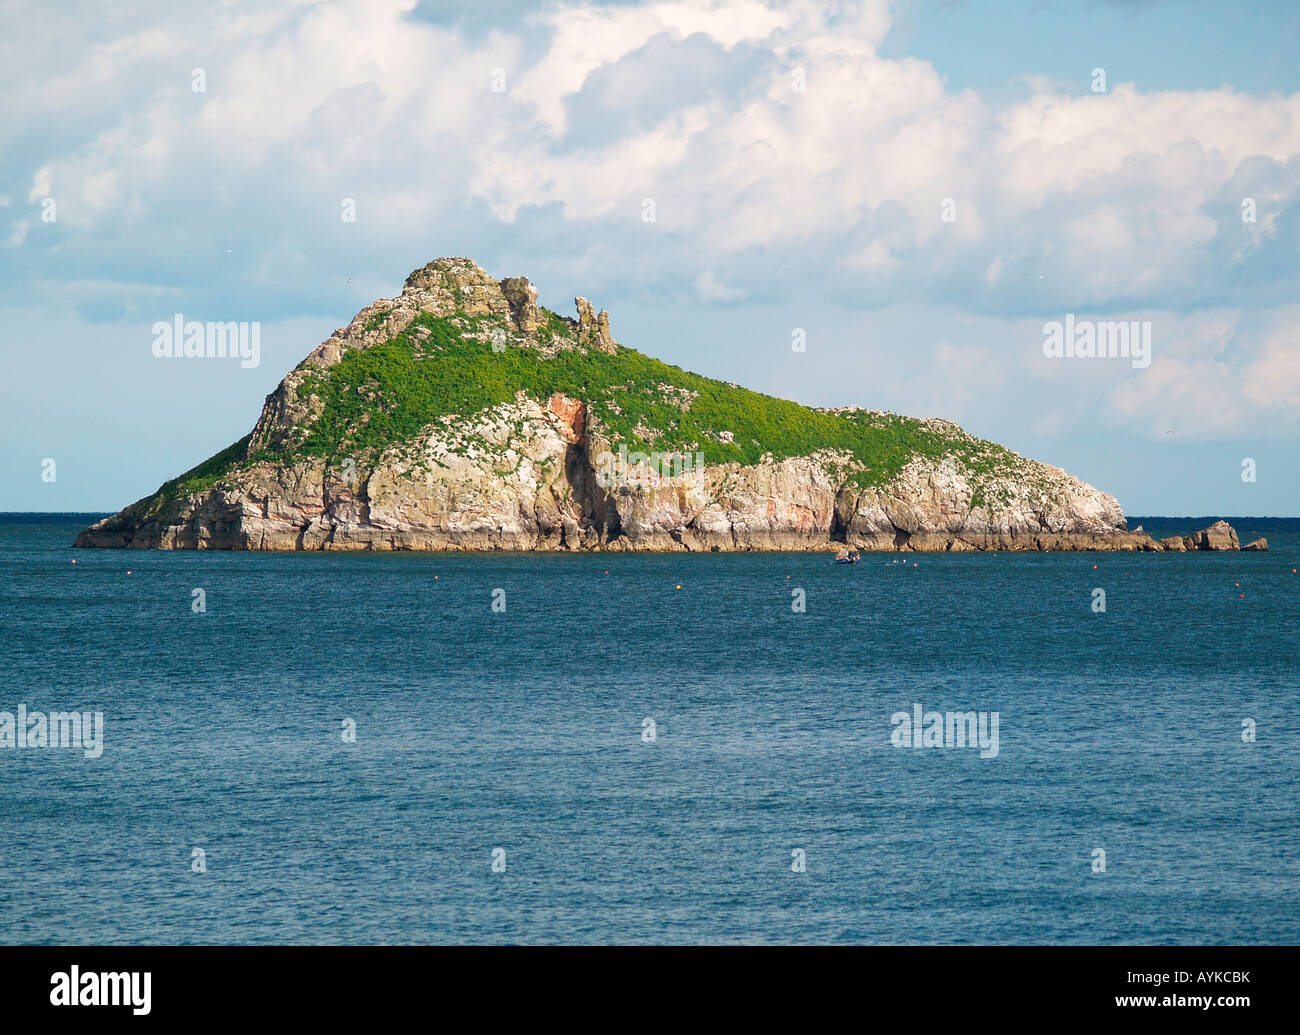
column 461, row 415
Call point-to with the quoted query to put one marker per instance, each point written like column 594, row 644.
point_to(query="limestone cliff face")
column 546, row 471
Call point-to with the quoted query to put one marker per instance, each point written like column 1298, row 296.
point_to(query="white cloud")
column 1127, row 202
column 874, row 258
column 40, row 184
column 713, row 290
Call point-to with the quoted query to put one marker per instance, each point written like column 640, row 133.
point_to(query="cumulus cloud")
column 773, row 140
column 713, row 290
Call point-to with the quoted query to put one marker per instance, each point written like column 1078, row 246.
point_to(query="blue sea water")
column 522, row 730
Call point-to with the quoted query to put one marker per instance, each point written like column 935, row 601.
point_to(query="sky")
column 919, row 187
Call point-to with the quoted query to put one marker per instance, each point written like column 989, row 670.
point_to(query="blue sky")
column 802, row 158
column 1158, row 44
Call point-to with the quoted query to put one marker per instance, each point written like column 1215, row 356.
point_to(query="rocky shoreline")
column 230, row 531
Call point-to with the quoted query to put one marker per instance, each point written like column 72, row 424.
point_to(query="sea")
column 303, row 748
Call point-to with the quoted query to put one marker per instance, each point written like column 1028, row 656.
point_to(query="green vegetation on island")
column 380, row 396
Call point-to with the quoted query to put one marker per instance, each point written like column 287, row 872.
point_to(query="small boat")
column 848, row 558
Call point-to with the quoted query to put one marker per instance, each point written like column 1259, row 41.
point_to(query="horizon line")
column 1128, row 517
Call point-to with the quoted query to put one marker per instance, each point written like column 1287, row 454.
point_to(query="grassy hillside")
column 386, row 394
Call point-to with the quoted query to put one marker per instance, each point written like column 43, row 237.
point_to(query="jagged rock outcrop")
column 522, row 299
column 593, row 328
column 591, row 447
column 1219, row 536
column 1258, row 545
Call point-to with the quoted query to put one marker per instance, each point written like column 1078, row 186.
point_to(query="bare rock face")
column 1219, row 536
column 1257, row 545
column 534, row 484
column 522, row 299
column 542, row 472
column 593, row 328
